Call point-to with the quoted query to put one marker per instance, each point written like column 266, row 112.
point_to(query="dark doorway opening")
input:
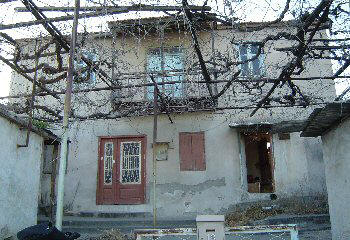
column 259, row 162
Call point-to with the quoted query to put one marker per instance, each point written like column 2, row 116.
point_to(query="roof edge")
column 273, row 127
column 7, row 114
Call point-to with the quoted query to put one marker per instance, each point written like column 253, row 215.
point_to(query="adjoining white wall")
column 299, row 167
column 336, row 152
column 19, row 178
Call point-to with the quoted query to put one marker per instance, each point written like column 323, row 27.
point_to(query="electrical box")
column 210, row 227
column 161, row 151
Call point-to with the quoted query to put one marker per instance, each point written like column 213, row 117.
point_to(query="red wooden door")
column 123, row 181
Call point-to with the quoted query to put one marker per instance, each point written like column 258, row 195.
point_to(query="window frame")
column 250, row 65
column 270, row 155
column 81, row 64
column 182, row 93
column 115, row 194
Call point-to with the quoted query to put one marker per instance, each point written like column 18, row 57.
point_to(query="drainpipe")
column 53, row 180
column 67, row 109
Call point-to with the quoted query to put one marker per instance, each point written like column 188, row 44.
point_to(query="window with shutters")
column 192, row 151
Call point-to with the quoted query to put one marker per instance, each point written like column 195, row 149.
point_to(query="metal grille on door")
column 130, row 168
column 108, row 163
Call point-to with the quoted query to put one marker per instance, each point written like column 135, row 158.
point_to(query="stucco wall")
column 19, row 178
column 184, row 194
column 298, row 169
column 336, row 152
column 130, row 54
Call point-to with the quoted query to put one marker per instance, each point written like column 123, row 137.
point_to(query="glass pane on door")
column 108, row 163
column 130, row 162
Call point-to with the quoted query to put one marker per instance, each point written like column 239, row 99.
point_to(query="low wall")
column 336, row 151
column 19, row 178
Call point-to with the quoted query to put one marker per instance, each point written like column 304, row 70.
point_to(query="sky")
column 248, row 10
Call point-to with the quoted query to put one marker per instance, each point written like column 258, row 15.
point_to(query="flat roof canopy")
column 322, row 119
column 280, row 127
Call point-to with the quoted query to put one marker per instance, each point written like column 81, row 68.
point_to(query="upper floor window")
column 253, row 68
column 85, row 73
column 166, row 65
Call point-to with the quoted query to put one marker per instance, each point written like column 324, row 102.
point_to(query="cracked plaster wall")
column 182, row 194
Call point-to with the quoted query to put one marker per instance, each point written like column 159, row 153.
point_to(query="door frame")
column 143, row 138
column 271, row 156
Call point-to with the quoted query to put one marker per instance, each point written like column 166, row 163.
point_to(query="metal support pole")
column 155, row 126
column 67, row 109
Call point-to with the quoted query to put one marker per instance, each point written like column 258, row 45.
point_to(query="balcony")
column 138, row 101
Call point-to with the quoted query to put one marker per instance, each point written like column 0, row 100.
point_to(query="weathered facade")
column 20, row 173
column 298, row 167
column 332, row 123
column 204, row 163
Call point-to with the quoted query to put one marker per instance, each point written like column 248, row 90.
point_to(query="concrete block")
column 210, row 227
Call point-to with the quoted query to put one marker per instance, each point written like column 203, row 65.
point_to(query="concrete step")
column 125, row 224
column 294, row 219
column 306, row 223
column 109, row 215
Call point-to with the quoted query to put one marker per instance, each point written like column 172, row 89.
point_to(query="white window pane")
column 256, row 67
column 173, row 61
column 251, row 68
column 254, row 49
column 243, row 52
column 154, row 63
column 86, row 74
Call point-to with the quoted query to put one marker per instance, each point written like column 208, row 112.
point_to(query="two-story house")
column 210, row 155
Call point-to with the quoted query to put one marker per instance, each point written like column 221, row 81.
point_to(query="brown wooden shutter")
column 198, row 151
column 186, row 163
column 192, row 153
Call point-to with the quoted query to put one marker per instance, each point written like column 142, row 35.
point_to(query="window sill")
column 254, row 77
